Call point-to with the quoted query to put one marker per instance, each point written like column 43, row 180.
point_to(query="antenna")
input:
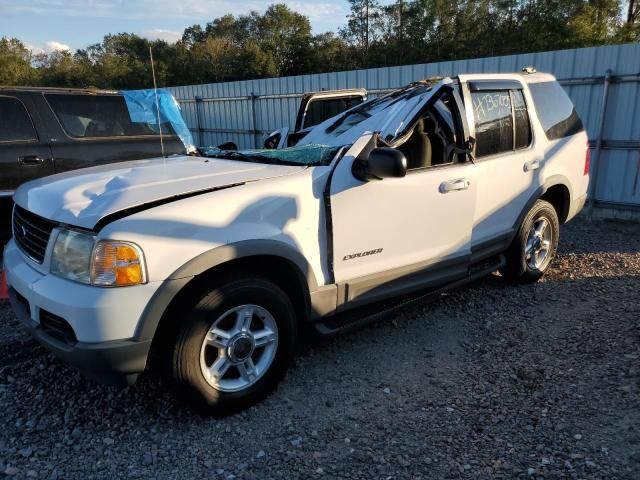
column 155, row 89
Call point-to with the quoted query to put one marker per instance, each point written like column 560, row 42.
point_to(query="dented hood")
column 83, row 197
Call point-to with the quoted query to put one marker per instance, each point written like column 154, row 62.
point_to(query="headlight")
column 108, row 263
column 72, row 256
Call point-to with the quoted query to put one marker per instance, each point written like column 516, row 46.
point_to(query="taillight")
column 587, row 160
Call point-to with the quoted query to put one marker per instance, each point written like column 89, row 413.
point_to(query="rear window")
column 321, row 109
column 555, row 110
column 15, row 123
column 99, row 116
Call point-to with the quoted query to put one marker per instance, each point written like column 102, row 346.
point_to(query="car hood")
column 83, row 197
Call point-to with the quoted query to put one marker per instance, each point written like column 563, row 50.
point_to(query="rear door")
column 507, row 162
column 88, row 130
column 24, row 152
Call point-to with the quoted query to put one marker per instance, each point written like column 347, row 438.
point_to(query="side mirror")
column 276, row 139
column 273, row 140
column 383, row 162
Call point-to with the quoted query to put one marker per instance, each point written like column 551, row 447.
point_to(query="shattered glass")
column 309, row 155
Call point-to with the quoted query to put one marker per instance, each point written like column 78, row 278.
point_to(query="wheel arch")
column 277, row 261
column 555, row 190
column 558, row 195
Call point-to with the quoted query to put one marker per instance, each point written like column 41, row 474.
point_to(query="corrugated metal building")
column 245, row 111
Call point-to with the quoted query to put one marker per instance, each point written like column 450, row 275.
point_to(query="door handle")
column 453, row 185
column 30, row 160
column 531, row 165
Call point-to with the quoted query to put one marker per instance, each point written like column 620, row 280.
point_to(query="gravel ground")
column 492, row 381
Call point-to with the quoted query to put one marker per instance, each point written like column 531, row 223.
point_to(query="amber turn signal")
column 117, row 264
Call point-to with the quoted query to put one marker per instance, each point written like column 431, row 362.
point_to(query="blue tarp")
column 142, row 109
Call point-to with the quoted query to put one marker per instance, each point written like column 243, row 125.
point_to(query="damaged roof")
column 387, row 115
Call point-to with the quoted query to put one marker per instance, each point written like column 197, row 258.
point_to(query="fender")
column 204, row 262
column 552, row 181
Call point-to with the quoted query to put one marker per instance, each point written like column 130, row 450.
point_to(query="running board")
column 352, row 320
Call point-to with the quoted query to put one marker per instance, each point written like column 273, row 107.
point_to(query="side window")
column 433, row 137
column 99, row 116
column 494, row 122
column 15, row 123
column 521, row 119
column 555, row 110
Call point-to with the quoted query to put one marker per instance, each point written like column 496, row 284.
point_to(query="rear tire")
column 233, row 347
column 535, row 245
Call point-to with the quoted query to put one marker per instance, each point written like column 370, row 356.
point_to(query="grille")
column 31, row 233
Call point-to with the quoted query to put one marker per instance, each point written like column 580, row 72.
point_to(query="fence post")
column 254, row 132
column 596, row 154
column 198, row 102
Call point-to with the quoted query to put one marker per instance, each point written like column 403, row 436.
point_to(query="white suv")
column 214, row 264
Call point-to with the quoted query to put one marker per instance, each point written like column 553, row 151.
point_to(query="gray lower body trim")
column 157, row 307
column 399, row 281
column 492, row 246
column 324, row 301
column 6, row 193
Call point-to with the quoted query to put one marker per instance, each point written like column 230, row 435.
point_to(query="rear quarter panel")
column 564, row 158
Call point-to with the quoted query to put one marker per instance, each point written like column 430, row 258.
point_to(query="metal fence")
column 603, row 82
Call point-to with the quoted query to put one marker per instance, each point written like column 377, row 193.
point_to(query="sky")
column 47, row 25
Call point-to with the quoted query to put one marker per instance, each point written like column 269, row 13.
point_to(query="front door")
column 399, row 234
column 24, row 155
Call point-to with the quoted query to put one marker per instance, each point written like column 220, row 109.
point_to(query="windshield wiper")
column 232, row 155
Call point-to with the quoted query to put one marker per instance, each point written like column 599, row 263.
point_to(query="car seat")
column 417, row 148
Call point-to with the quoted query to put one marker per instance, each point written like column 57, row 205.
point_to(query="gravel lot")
column 489, row 382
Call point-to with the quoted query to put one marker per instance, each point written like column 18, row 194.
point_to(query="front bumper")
column 101, row 322
column 117, row 362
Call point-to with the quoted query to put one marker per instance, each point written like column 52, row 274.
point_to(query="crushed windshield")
column 380, row 114
column 373, row 107
column 306, row 155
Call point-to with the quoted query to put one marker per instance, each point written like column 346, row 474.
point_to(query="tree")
column 15, row 62
column 286, row 35
column 633, row 11
column 362, row 22
column 280, row 42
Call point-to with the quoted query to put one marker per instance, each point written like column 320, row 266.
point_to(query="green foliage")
column 15, row 62
column 280, row 42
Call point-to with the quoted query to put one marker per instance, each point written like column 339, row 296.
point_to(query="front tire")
column 234, row 346
column 534, row 246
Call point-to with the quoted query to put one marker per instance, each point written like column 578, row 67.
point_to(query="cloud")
column 48, row 47
column 35, row 50
column 168, row 36
column 320, row 12
column 327, row 13
column 52, row 46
